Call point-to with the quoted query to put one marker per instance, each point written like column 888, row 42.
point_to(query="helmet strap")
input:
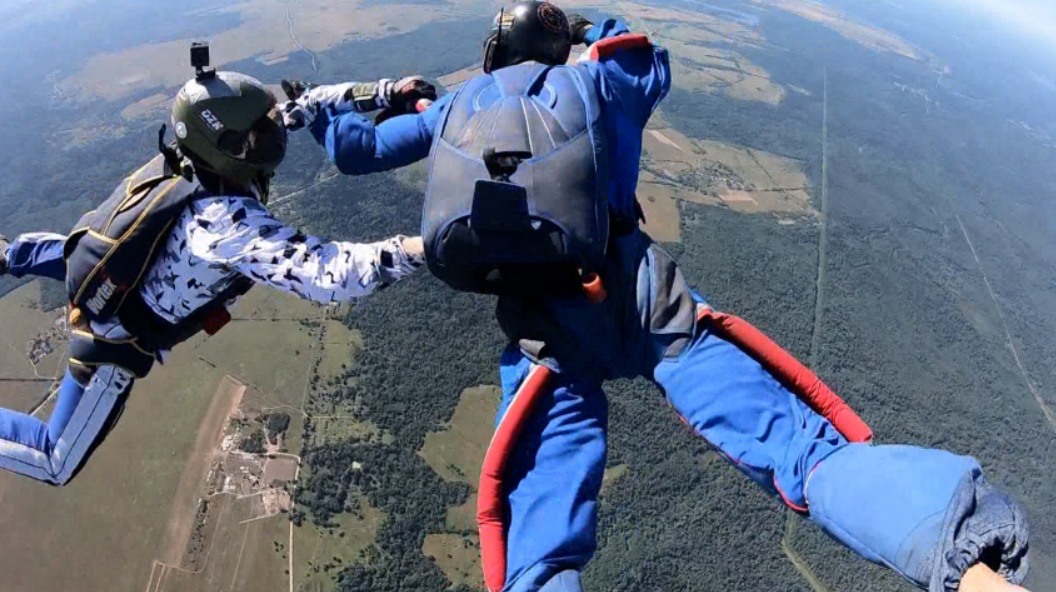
column 493, row 53
column 173, row 159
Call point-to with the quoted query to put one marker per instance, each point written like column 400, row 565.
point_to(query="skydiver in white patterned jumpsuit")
column 231, row 136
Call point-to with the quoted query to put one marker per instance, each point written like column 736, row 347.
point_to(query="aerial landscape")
column 870, row 182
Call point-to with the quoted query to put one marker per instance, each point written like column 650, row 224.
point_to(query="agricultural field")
column 165, row 454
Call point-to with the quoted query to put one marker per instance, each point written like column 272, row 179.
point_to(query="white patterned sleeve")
column 242, row 235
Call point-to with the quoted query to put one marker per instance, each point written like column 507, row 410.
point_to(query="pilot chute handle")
column 502, row 165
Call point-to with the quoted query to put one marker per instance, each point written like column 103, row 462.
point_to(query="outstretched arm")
column 359, row 147
column 242, row 235
column 631, row 72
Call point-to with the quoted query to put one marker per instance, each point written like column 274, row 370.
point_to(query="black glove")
column 412, row 94
column 578, row 25
column 402, row 96
column 294, row 89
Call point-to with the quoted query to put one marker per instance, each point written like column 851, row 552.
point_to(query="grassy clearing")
column 115, row 511
column 662, row 220
column 613, row 474
column 340, row 347
column 274, row 357
column 872, row 37
column 463, row 519
column 264, row 304
column 346, row 542
column 263, row 566
column 458, row 556
column 222, row 552
column 348, row 428
column 457, row 452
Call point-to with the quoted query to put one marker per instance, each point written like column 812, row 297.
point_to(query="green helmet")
column 228, row 124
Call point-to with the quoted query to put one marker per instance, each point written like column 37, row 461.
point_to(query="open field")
column 459, row 556
column 159, row 455
column 115, row 512
column 677, row 168
column 25, row 323
column 267, row 30
column 178, row 530
column 263, row 304
column 456, row 454
column 346, row 542
column 869, row 36
column 156, row 105
column 272, row 356
column 240, row 554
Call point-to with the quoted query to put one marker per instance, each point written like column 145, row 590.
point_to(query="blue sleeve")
column 635, row 79
column 358, row 147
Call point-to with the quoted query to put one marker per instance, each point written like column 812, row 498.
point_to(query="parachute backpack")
column 516, row 201
column 108, row 254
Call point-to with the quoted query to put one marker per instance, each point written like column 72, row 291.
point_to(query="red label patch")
column 553, row 18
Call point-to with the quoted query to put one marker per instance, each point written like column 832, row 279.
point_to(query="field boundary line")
column 255, row 519
column 797, row 560
column 241, row 552
column 823, row 232
column 1049, row 417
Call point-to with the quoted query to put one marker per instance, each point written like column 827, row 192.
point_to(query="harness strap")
column 88, row 351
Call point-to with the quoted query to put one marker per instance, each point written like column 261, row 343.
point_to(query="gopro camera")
column 200, row 60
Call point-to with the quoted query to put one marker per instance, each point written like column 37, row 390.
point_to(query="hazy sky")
column 1036, row 17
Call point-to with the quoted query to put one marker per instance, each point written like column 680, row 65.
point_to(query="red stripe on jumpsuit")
column 491, row 517
column 789, row 371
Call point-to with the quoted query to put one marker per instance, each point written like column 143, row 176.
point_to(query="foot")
column 4, row 244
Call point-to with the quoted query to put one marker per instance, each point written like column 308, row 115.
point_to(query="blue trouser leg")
column 37, row 254
column 735, row 404
column 905, row 507
column 927, row 514
column 553, row 480
column 894, row 505
column 53, row 451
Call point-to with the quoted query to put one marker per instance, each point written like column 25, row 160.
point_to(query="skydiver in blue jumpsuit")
column 928, row 514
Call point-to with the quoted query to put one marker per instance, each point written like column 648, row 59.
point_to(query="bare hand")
column 980, row 578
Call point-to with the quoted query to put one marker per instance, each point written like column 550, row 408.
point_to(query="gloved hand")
column 4, row 244
column 411, row 94
column 305, row 100
column 395, row 97
column 578, row 25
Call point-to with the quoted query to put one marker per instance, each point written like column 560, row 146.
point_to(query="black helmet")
column 528, row 31
column 228, row 123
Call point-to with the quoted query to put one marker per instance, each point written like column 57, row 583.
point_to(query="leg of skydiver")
column 53, row 451
column 84, row 408
column 927, row 514
column 37, row 254
column 540, row 484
